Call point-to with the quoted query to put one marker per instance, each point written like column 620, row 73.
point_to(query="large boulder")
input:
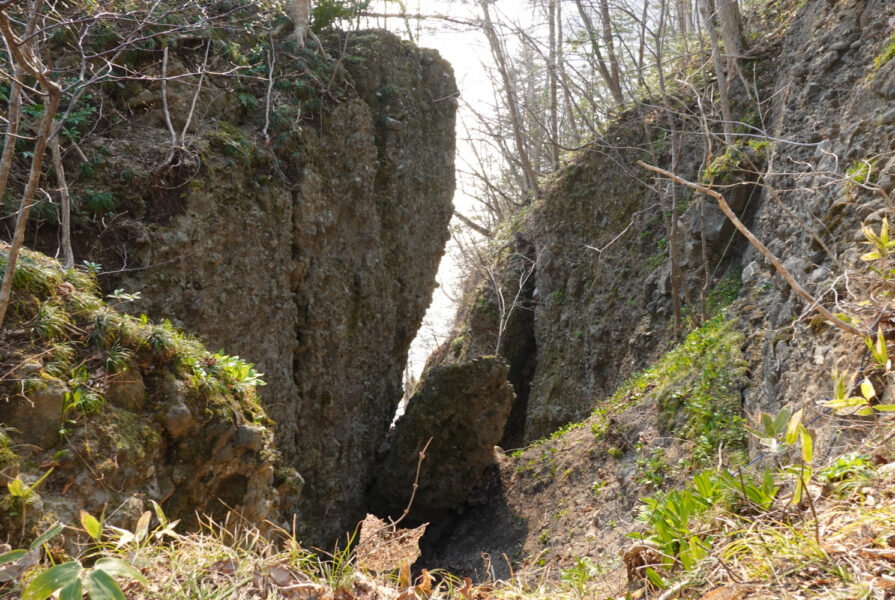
column 460, row 412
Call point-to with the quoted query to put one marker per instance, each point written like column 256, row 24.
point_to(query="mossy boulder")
column 89, row 399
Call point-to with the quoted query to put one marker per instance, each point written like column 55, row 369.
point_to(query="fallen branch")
column 787, row 276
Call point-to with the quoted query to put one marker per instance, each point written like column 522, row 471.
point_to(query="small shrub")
column 99, row 202
column 51, row 323
column 651, row 467
column 862, row 172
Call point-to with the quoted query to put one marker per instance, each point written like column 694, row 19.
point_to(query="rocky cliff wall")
column 822, row 104
column 300, row 228
column 599, row 236
column 835, row 108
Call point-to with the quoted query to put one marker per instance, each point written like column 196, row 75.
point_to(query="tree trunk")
column 51, row 104
column 731, row 29
column 561, row 73
column 300, row 13
column 707, row 8
column 68, row 257
column 14, row 113
column 610, row 46
column 605, row 72
column 531, row 177
column 552, row 73
column 684, row 19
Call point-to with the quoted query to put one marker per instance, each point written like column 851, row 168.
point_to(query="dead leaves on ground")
column 638, row 558
column 383, row 548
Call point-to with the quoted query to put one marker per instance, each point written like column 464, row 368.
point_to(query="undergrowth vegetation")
column 816, row 526
column 65, row 333
column 82, row 389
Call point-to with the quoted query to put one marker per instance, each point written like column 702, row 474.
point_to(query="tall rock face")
column 822, row 105
column 315, row 260
column 596, row 244
column 834, row 105
column 367, row 241
column 585, row 278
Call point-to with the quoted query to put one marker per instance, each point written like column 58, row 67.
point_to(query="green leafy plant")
column 100, row 202
column 886, row 55
column 92, row 267
column 849, row 472
column 844, row 403
column 878, row 350
column 577, row 576
column 772, row 428
column 788, row 425
column 72, row 579
column 670, row 519
column 52, row 322
column 83, row 396
column 881, row 243
column 121, row 296
column 117, row 358
column 24, row 495
column 162, row 340
column 801, row 473
column 104, row 328
column 235, row 369
column 651, row 467
column 141, row 536
column 760, row 495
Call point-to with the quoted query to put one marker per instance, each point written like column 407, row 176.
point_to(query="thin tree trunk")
column 610, row 45
column 300, row 13
column 641, row 50
column 14, row 113
column 731, row 29
column 614, row 86
column 683, row 16
column 707, row 8
column 672, row 241
column 561, row 68
column 68, row 257
column 27, row 197
column 552, row 73
column 473, row 225
column 53, row 93
column 516, row 121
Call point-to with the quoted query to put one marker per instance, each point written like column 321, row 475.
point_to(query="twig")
column 811, row 505
column 674, row 589
column 271, row 63
column 165, row 103
column 189, row 117
column 416, row 485
column 472, row 224
column 725, row 208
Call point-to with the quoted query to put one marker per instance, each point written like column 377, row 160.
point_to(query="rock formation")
column 457, row 416
column 311, row 253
